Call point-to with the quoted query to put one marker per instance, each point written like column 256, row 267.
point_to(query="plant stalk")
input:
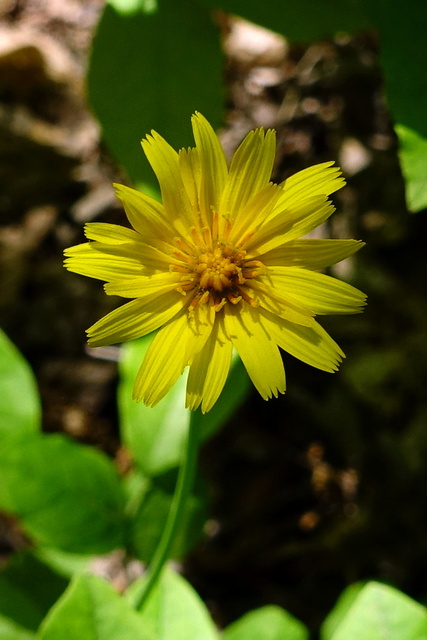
column 183, row 489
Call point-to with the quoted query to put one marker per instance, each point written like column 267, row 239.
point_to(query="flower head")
column 220, row 265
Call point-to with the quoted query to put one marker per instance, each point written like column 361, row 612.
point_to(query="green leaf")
column 152, row 65
column 91, row 609
column 174, row 610
column 19, row 398
column 28, row 589
column 380, row 612
column 155, row 435
column 413, row 158
column 267, row 623
column 340, row 610
column 299, row 21
column 11, row 631
column 66, row 495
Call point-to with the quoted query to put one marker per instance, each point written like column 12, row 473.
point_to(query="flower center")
column 215, row 274
column 218, row 271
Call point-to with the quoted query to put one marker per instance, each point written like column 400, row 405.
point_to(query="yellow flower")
column 220, row 265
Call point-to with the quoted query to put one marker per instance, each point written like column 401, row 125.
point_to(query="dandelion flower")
column 220, row 264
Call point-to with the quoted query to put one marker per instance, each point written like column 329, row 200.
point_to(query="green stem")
column 183, row 489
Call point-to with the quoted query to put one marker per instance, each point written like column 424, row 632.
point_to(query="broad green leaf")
column 380, row 612
column 340, row 610
column 299, row 21
column 11, row 631
column 28, row 589
column 65, row 494
column 413, row 158
column 174, row 611
column 19, row 398
column 155, row 435
column 152, row 65
column 267, row 623
column 91, row 609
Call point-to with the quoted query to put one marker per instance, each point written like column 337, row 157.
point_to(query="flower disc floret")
column 214, row 273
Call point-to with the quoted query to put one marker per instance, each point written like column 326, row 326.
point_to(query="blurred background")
column 305, row 494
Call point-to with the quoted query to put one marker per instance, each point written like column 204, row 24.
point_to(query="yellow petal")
column 213, row 166
column 117, row 261
column 145, row 214
column 250, row 171
column 289, row 225
column 104, row 261
column 135, row 319
column 317, row 291
column 320, row 179
column 170, row 352
column 145, row 287
column 209, row 369
column 164, row 361
column 277, row 300
column 309, row 344
column 311, row 253
column 302, row 207
column 165, row 163
column 157, row 253
column 254, row 213
column 110, row 233
column 257, row 349
column 157, row 256
column 189, row 165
